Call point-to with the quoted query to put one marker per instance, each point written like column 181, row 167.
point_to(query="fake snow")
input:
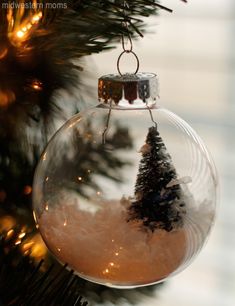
column 101, row 246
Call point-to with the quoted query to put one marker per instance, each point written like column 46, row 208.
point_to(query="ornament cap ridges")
column 140, row 87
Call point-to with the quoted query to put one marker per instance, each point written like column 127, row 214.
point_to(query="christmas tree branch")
column 23, row 281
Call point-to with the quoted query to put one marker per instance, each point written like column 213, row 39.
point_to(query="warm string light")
column 3, row 52
column 7, row 223
column 18, row 30
column 37, row 85
column 21, row 235
column 9, row 234
column 27, row 190
column 23, row 31
column 29, row 245
column 38, row 249
column 46, row 207
column 7, row 97
column 112, row 265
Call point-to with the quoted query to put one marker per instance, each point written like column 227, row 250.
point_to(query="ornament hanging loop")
column 129, row 52
column 127, row 44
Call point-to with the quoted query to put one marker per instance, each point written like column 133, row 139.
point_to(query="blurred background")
column 193, row 53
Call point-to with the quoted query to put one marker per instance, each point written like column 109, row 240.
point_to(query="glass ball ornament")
column 125, row 192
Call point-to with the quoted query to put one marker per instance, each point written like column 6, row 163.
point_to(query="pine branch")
column 22, row 283
column 92, row 155
column 43, row 55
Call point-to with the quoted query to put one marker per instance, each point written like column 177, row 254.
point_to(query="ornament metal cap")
column 133, row 88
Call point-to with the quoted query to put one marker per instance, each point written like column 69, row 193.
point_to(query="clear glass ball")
column 126, row 197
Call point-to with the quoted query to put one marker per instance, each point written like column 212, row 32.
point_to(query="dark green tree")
column 159, row 199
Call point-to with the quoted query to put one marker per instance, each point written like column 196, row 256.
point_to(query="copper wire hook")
column 151, row 115
column 107, row 124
